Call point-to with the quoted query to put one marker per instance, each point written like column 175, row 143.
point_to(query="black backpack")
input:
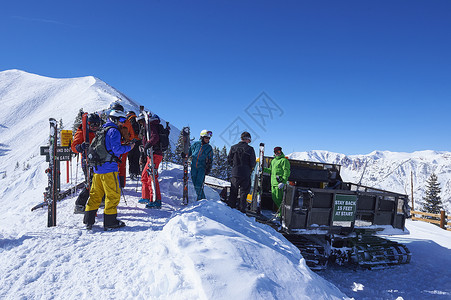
column 163, row 134
column 98, row 154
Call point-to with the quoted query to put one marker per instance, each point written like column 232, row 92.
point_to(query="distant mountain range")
column 391, row 170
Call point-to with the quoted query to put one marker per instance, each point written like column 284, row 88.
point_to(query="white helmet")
column 117, row 116
column 206, row 133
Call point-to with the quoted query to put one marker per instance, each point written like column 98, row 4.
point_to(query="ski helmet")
column 277, row 149
column 94, row 119
column 117, row 115
column 246, row 136
column 116, row 106
column 206, row 133
column 154, row 117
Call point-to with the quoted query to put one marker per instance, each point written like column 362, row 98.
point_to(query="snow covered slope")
column 391, row 170
column 28, row 101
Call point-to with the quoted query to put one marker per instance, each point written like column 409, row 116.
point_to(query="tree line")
column 221, row 169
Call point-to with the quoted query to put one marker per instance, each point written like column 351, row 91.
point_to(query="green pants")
column 277, row 195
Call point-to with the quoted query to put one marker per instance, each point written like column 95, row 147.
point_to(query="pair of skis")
column 186, row 144
column 51, row 191
column 254, row 199
column 151, row 170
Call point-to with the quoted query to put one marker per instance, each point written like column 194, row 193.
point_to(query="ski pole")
column 123, row 195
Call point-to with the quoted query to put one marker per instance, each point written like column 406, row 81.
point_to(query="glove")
column 281, row 185
column 81, row 147
column 207, row 171
column 183, row 155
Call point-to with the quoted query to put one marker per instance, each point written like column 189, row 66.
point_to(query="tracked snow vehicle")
column 331, row 220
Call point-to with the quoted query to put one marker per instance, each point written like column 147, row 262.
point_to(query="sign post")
column 66, row 141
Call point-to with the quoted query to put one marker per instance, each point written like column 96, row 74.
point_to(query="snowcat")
column 330, row 220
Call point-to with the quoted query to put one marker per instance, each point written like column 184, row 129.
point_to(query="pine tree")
column 168, row 155
column 432, row 203
column 78, row 120
column 216, row 163
column 177, row 158
column 226, row 169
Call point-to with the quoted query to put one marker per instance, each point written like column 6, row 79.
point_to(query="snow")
column 201, row 251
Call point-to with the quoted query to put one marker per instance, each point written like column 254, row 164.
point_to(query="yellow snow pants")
column 104, row 184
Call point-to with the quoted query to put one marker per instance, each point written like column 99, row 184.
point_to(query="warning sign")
column 66, row 137
column 344, row 207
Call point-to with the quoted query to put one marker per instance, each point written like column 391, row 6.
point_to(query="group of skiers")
column 138, row 139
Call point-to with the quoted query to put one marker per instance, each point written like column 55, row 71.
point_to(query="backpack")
column 163, row 134
column 135, row 124
column 98, row 154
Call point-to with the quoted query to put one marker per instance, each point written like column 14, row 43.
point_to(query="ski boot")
column 144, row 201
column 155, row 204
column 115, row 226
column 79, row 209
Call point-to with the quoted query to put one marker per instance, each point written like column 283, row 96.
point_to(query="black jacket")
column 242, row 159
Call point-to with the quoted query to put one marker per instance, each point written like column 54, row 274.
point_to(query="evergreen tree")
column 227, row 169
column 78, row 120
column 177, row 158
column 215, row 169
column 168, row 155
column 432, row 203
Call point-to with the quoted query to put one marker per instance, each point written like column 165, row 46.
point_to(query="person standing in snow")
column 105, row 180
column 79, row 146
column 146, row 175
column 242, row 159
column 133, row 155
column 280, row 171
column 202, row 161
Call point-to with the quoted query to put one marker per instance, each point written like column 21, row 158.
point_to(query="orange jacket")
column 132, row 133
column 79, row 138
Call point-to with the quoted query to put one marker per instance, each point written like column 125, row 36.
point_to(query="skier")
column 146, row 176
column 79, row 146
column 133, row 155
column 242, row 159
column 105, row 179
column 143, row 137
column 202, row 161
column 280, row 171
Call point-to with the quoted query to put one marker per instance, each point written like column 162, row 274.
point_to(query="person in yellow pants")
column 105, row 181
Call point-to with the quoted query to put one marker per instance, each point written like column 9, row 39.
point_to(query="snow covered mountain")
column 391, row 170
column 29, row 100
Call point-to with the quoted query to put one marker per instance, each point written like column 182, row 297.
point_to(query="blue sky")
column 344, row 76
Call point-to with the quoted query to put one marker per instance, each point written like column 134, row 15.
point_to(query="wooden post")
column 411, row 187
column 442, row 219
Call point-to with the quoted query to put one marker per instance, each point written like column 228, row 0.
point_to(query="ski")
column 152, row 173
column 259, row 175
column 51, row 193
column 61, row 195
column 151, row 170
column 186, row 145
column 85, row 128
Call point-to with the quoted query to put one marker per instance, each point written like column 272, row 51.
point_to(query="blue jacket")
column 202, row 155
column 113, row 144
